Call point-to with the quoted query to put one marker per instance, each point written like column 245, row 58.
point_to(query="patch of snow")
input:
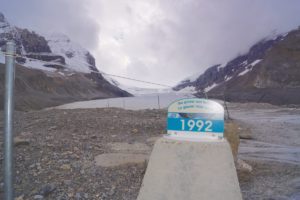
column 227, row 78
column 62, row 45
column 245, row 71
column 61, row 73
column 36, row 64
column 210, row 87
column 255, row 62
column 222, row 66
column 245, row 62
column 110, row 80
column 189, row 89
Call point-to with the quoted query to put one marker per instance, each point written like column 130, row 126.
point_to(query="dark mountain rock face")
column 33, row 43
column 36, row 90
column 91, row 61
column 269, row 72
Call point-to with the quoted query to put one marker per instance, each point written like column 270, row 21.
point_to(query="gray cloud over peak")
column 159, row 40
column 69, row 17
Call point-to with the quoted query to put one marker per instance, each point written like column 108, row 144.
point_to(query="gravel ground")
column 56, row 150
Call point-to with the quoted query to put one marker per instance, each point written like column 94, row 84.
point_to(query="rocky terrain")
column 52, row 70
column 36, row 89
column 269, row 72
column 83, row 153
column 102, row 153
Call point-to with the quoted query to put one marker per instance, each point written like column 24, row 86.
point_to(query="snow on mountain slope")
column 76, row 57
column 219, row 74
column 47, row 52
column 268, row 72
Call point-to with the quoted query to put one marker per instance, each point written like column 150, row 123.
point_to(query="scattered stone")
column 118, row 159
column 52, row 128
column 38, row 197
column 112, row 190
column 81, row 196
column 47, row 189
column 21, row 141
column 20, row 197
column 135, row 130
column 243, row 166
column 65, row 167
column 67, row 182
column 246, row 136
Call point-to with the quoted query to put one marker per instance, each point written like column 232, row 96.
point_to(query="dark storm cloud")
column 70, row 17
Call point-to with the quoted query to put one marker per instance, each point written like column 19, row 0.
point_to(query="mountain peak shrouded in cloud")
column 162, row 40
column 268, row 72
column 2, row 18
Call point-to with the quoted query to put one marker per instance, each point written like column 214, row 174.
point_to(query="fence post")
column 8, row 126
column 158, row 102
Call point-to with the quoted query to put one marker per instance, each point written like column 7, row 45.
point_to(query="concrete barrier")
column 184, row 170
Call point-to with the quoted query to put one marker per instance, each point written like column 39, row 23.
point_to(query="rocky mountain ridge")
column 269, row 72
column 52, row 70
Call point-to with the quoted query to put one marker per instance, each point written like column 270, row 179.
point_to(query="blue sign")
column 195, row 118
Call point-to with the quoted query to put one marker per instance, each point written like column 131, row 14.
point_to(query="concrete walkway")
column 180, row 170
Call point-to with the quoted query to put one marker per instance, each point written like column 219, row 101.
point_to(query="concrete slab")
column 118, row 159
column 186, row 170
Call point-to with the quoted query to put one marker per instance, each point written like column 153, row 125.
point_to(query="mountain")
column 269, row 72
column 51, row 70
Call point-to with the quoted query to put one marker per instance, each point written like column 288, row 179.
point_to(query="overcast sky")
column 161, row 41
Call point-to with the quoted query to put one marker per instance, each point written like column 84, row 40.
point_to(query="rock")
column 243, row 166
column 21, row 141
column 67, row 182
column 112, row 191
column 52, row 128
column 65, row 167
column 47, row 189
column 246, row 136
column 20, row 197
column 81, row 196
column 135, row 131
column 37, row 197
column 117, row 159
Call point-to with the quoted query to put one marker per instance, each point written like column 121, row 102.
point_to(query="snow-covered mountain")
column 269, row 72
column 75, row 56
column 57, row 69
column 49, row 52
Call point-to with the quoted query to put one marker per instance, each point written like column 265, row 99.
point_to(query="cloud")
column 69, row 17
column 165, row 41
column 159, row 40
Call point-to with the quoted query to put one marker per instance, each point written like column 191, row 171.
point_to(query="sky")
column 161, row 41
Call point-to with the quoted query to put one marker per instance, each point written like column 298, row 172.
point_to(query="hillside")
column 269, row 72
column 36, row 89
column 52, row 70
